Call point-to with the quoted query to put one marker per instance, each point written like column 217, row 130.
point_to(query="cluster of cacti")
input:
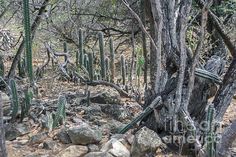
column 210, row 131
column 25, row 107
column 54, row 120
column 2, row 69
column 102, row 55
column 112, row 60
column 27, row 39
column 81, row 48
column 123, row 69
column 14, row 99
column 90, row 66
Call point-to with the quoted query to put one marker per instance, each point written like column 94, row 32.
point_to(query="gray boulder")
column 84, row 135
column 145, row 141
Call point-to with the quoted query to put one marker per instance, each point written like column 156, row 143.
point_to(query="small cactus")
column 2, row 69
column 81, row 48
column 90, row 66
column 107, row 69
column 86, row 61
column 14, row 98
column 210, row 131
column 25, row 107
column 60, row 113
column 112, row 60
column 102, row 55
column 123, row 71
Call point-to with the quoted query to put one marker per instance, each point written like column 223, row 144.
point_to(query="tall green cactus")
column 60, row 113
column 102, row 55
column 2, row 69
column 27, row 39
column 112, row 60
column 81, row 47
column 14, row 99
column 210, row 131
column 123, row 71
column 90, row 66
column 107, row 63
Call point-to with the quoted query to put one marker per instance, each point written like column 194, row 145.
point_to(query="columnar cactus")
column 86, row 61
column 27, row 39
column 14, row 99
column 60, row 113
column 90, row 66
column 25, row 107
column 2, row 69
column 112, row 60
column 102, row 55
column 81, row 48
column 210, row 131
column 107, row 63
column 123, row 71
column 21, row 67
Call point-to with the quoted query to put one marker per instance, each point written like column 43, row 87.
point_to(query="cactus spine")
column 14, row 98
column 2, row 69
column 90, row 66
column 123, row 71
column 112, row 60
column 107, row 69
column 61, row 112
column 81, row 47
column 102, row 55
column 210, row 131
column 28, row 44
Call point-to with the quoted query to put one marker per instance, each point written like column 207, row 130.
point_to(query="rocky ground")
column 89, row 130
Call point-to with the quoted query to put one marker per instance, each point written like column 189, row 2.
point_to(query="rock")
column 145, row 141
column 84, row 135
column 73, row 151
column 92, row 110
column 93, row 148
column 50, row 145
column 234, row 96
column 112, row 126
column 6, row 103
column 105, row 98
column 22, row 128
column 38, row 138
column 98, row 154
column 119, row 150
column 118, row 112
column 63, row 137
column 11, row 133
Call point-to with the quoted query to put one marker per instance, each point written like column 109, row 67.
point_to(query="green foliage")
column 14, row 98
column 60, row 113
column 27, row 39
column 2, row 69
column 25, row 107
column 123, row 72
column 112, row 60
column 225, row 8
column 90, row 66
column 210, row 131
column 102, row 55
column 81, row 48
